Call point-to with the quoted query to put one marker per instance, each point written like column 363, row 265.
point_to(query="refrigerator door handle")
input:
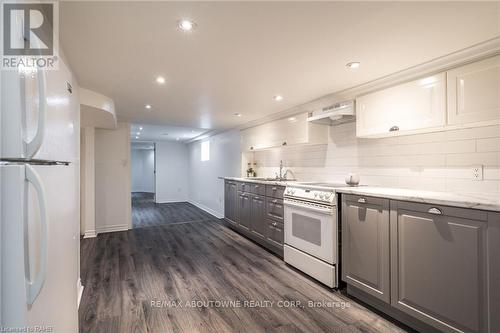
column 34, row 145
column 34, row 287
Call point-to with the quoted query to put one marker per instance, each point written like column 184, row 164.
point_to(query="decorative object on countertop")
column 250, row 171
column 352, row 179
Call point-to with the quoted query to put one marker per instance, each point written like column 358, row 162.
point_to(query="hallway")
column 147, row 213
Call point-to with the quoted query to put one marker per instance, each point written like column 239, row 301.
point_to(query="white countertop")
column 258, row 181
column 475, row 201
column 465, row 200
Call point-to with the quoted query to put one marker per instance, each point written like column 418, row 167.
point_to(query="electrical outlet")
column 477, row 172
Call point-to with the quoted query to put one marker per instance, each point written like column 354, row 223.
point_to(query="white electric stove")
column 311, row 230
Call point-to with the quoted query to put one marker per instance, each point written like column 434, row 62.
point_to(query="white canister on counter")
column 352, row 179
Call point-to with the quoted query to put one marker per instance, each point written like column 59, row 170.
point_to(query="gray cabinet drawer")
column 275, row 209
column 275, row 191
column 259, row 189
column 275, row 232
column 244, row 187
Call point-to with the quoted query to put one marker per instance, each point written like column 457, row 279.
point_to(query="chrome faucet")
column 281, row 176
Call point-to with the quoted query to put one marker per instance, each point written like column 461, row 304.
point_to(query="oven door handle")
column 328, row 211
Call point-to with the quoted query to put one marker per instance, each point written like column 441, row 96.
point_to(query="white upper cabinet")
column 283, row 132
column 474, row 93
column 405, row 108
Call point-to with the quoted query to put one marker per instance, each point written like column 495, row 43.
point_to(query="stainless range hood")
column 338, row 113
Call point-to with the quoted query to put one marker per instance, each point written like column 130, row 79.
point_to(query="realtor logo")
column 29, row 34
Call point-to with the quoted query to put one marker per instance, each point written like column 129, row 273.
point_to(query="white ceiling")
column 243, row 53
column 163, row 133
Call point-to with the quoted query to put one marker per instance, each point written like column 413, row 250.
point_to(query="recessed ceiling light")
column 137, row 137
column 140, row 128
column 278, row 98
column 291, row 118
column 138, row 133
column 237, row 114
column 186, row 25
column 353, row 65
column 177, row 139
column 160, row 80
column 147, row 106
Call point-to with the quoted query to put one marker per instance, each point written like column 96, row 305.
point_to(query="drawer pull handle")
column 275, row 224
column 435, row 211
column 256, row 186
column 274, row 188
column 256, row 198
column 275, row 201
column 362, row 200
column 394, row 129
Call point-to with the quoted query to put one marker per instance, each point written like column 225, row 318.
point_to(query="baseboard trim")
column 169, row 201
column 112, row 228
column 206, row 209
column 90, row 234
column 79, row 288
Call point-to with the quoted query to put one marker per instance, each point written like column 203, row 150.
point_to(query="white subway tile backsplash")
column 488, row 145
column 433, row 161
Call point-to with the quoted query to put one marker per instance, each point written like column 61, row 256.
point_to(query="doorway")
column 143, row 173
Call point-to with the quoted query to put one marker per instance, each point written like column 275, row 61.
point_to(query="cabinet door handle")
column 274, row 188
column 256, row 186
column 362, row 200
column 275, row 201
column 257, row 198
column 435, row 211
column 275, row 224
column 394, row 129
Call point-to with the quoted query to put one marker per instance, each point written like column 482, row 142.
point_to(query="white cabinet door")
column 474, row 92
column 416, row 105
column 289, row 131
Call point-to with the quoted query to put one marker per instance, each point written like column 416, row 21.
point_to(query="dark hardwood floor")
column 130, row 278
column 146, row 213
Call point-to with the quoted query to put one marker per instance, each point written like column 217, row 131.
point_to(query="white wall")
column 172, row 167
column 142, row 164
column 206, row 190
column 438, row 161
column 87, row 182
column 112, row 179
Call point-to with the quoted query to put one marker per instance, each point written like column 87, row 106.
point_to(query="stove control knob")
column 321, row 196
column 328, row 195
column 315, row 195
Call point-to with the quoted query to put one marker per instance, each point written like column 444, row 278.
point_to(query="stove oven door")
column 312, row 228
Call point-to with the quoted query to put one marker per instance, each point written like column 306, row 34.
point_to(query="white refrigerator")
column 39, row 200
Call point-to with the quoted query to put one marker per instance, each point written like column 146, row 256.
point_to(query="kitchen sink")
column 270, row 179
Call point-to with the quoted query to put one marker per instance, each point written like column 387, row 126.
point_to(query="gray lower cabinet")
column 275, row 209
column 365, row 243
column 230, row 201
column 274, row 232
column 428, row 265
column 258, row 216
column 243, row 210
column 250, row 210
column 438, row 258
